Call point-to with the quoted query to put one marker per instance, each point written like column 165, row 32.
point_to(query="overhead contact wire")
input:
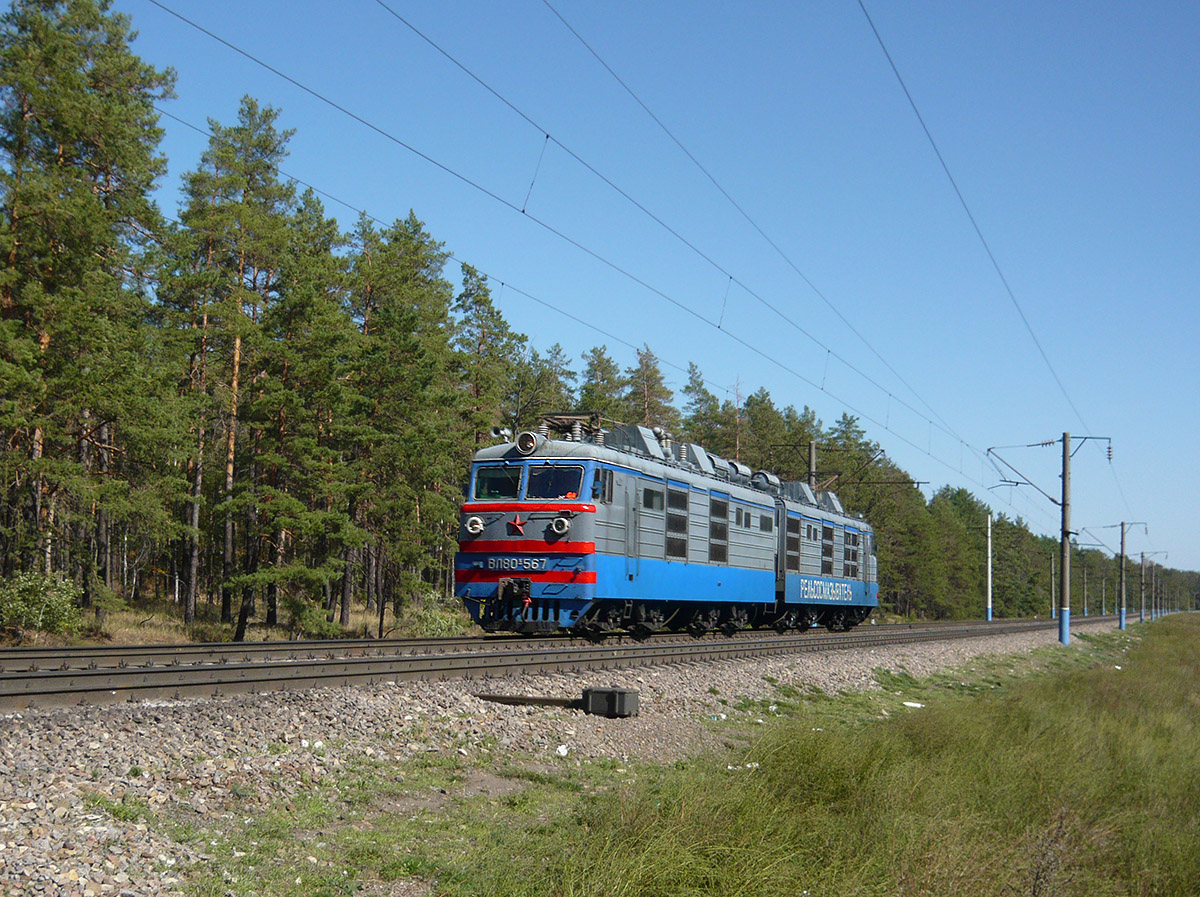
column 971, row 217
column 663, row 224
column 754, row 224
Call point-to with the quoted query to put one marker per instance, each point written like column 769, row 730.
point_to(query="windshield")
column 555, row 482
column 497, row 482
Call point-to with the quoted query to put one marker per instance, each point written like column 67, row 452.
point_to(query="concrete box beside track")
column 610, row 702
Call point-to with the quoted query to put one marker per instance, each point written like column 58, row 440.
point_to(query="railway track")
column 38, row 678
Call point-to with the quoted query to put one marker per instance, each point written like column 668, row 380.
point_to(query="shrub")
column 435, row 617
column 37, row 601
column 306, row 619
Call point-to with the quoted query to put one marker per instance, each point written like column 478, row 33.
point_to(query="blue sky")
column 1072, row 131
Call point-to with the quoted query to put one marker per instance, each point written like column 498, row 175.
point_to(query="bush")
column 308, row 620
column 37, row 601
column 434, row 617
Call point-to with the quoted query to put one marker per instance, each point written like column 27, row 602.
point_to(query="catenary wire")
column 971, row 217
column 750, row 220
column 983, row 241
column 941, row 424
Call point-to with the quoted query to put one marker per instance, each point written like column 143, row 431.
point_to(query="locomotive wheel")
column 736, row 619
column 604, row 621
column 704, row 621
column 835, row 621
column 649, row 619
column 786, row 621
column 807, row 619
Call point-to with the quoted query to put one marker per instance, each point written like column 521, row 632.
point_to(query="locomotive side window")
column 497, row 482
column 652, row 499
column 765, row 523
column 677, row 523
column 718, row 530
column 602, row 487
column 793, row 544
column 827, row 551
column 850, row 554
column 557, row 482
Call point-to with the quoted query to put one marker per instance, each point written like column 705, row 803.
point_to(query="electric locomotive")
column 593, row 530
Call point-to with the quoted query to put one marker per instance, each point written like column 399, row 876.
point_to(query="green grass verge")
column 1066, row 772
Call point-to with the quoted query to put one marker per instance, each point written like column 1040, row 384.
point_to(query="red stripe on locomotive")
column 485, row 507
column 563, row 576
column 528, row 546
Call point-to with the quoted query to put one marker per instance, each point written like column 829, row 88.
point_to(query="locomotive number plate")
column 517, row 563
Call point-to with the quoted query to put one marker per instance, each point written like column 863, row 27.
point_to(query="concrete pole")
column 1053, row 604
column 1085, row 609
column 1122, row 623
column 989, row 572
column 1142, row 613
column 812, row 465
column 1064, row 615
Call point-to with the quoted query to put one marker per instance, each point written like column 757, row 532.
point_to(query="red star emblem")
column 518, row 524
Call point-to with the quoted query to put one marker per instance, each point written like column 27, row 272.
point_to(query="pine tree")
column 765, row 436
column 488, row 351
column 539, row 385
column 602, row 385
column 647, row 397
column 415, row 416
column 78, row 400
column 300, row 533
column 701, row 412
column 236, row 227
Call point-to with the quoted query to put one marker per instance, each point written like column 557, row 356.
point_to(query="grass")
column 156, row 623
column 1063, row 772
column 1075, row 781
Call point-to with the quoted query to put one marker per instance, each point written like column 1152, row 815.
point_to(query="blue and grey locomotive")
column 599, row 530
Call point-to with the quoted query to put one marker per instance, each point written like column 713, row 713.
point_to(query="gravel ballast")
column 72, row 781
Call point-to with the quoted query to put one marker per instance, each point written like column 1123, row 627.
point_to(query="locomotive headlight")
column 560, row 525
column 474, row 525
column 527, row 442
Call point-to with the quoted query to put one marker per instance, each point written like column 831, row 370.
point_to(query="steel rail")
column 19, row 660
column 63, row 687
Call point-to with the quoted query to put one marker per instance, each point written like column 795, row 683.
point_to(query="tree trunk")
column 369, row 576
column 273, row 588
column 227, row 557
column 243, row 618
column 35, row 495
column 192, row 561
column 347, row 584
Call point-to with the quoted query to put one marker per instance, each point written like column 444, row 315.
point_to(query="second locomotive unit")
column 599, row 530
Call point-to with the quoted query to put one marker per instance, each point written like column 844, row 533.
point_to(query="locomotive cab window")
column 497, row 482
column 555, row 482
